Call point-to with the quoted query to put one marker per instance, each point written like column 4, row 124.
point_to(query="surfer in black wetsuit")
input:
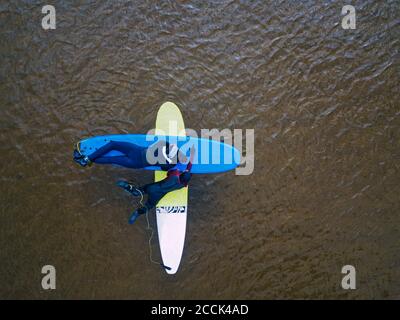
column 133, row 156
column 178, row 177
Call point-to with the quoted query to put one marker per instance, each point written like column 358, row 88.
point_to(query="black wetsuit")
column 157, row 190
column 134, row 156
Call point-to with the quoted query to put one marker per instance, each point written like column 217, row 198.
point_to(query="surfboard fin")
column 164, row 266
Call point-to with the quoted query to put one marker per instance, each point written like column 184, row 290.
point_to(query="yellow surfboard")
column 171, row 210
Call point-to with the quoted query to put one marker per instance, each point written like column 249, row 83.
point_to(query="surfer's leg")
column 118, row 160
column 133, row 155
column 122, row 147
column 152, row 200
column 154, row 193
column 154, row 196
column 151, row 188
column 147, row 187
column 137, row 213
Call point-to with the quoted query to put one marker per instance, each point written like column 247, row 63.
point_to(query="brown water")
column 324, row 103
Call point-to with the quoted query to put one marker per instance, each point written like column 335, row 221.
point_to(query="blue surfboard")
column 211, row 156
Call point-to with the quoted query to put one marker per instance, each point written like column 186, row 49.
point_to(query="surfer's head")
column 185, row 177
column 169, row 152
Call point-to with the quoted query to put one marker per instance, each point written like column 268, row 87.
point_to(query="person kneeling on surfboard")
column 133, row 156
column 178, row 177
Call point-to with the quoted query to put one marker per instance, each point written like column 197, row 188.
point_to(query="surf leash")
column 151, row 233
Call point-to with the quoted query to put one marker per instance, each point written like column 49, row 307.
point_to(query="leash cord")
column 148, row 228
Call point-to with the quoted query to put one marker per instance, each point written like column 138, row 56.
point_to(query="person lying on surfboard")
column 133, row 156
column 178, row 177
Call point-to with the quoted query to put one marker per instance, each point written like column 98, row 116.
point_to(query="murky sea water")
column 324, row 103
